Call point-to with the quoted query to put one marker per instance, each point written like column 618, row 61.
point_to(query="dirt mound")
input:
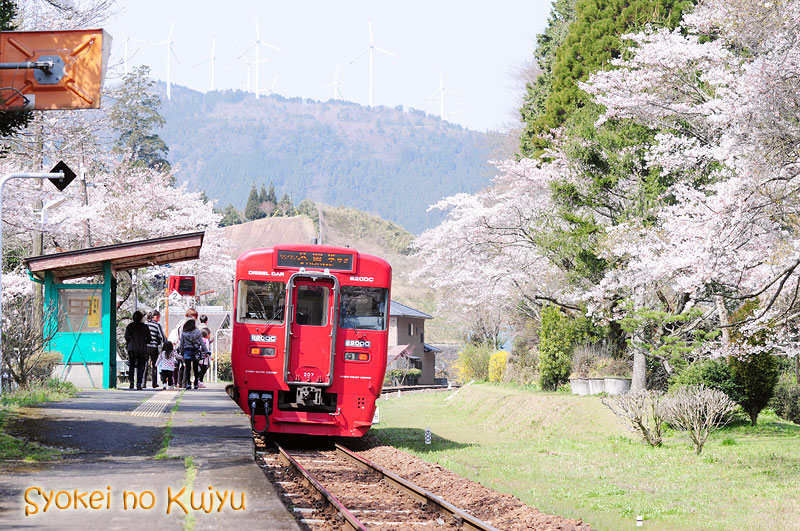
column 268, row 232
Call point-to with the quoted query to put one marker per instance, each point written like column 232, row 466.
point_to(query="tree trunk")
column 724, row 321
column 639, row 380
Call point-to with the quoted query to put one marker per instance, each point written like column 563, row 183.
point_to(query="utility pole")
column 87, row 235
column 38, row 235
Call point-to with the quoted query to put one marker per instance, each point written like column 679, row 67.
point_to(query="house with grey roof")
column 407, row 347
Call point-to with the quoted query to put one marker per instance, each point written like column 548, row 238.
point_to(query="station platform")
column 109, row 475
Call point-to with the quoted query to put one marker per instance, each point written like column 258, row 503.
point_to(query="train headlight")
column 267, row 352
column 356, row 356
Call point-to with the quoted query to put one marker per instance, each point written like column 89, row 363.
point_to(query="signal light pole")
column 61, row 178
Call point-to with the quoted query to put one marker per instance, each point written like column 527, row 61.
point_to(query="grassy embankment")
column 568, row 455
column 14, row 448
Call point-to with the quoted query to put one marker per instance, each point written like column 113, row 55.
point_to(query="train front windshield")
column 363, row 308
column 261, row 302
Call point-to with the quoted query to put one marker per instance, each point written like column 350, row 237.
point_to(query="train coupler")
column 260, row 405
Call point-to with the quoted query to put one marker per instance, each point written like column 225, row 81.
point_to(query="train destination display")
column 324, row 260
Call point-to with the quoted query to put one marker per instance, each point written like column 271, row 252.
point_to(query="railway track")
column 338, row 489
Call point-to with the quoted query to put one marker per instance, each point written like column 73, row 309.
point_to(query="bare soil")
column 268, row 232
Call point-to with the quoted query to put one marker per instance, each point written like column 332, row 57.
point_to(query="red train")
column 310, row 333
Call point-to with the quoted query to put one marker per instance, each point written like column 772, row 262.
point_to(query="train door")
column 312, row 332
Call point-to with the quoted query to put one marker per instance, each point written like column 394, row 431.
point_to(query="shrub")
column 224, row 370
column 584, row 360
column 43, row 371
column 497, row 366
column 698, row 411
column 755, row 374
column 640, row 412
column 555, row 344
column 523, row 363
column 786, row 399
column 611, row 367
column 714, row 374
column 473, row 362
column 404, row 376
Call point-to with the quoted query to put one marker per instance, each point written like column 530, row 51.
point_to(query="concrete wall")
column 77, row 374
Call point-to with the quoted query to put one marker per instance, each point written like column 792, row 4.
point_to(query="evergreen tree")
column 285, row 206
column 271, row 197
column 253, row 208
column 547, row 44
column 134, row 116
column 591, row 41
column 230, row 216
column 10, row 121
column 262, row 195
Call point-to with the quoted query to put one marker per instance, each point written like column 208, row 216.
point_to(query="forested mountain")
column 380, row 160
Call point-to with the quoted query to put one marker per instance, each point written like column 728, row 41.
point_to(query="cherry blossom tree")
column 720, row 93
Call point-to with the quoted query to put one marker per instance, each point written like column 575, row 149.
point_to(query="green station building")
column 80, row 301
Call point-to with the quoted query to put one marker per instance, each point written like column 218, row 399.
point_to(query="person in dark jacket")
column 137, row 336
column 192, row 348
column 157, row 338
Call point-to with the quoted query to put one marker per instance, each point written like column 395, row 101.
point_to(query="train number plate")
column 357, row 343
column 263, row 339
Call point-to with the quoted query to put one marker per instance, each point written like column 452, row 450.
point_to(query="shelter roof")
column 123, row 256
column 401, row 310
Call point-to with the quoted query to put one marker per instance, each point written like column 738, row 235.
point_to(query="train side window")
column 261, row 301
column 363, row 308
column 312, row 306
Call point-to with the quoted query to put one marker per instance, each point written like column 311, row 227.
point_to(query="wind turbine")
column 169, row 42
column 213, row 59
column 441, row 92
column 257, row 45
column 127, row 40
column 253, row 63
column 335, row 84
column 371, row 49
column 269, row 90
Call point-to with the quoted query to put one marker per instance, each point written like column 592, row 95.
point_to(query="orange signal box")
column 71, row 78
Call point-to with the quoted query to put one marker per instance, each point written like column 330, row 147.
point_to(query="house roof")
column 401, row 310
column 123, row 256
column 431, row 348
column 398, row 351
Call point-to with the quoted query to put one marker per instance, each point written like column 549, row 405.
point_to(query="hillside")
column 384, row 161
column 359, row 230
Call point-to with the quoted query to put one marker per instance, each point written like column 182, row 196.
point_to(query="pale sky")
column 478, row 46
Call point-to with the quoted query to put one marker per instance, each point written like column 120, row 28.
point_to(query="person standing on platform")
column 166, row 363
column 157, row 338
column 193, row 350
column 175, row 337
column 137, row 336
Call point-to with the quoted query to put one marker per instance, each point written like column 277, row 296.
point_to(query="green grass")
column 167, row 436
column 568, row 455
column 51, row 391
column 191, row 473
column 14, row 448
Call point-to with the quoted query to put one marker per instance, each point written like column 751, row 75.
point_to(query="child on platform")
column 166, row 362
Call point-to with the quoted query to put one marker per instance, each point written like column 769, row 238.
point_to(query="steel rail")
column 351, row 522
column 418, row 493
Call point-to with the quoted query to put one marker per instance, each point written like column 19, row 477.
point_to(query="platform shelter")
column 81, row 317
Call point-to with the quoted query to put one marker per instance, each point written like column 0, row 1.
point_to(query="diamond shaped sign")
column 62, row 182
